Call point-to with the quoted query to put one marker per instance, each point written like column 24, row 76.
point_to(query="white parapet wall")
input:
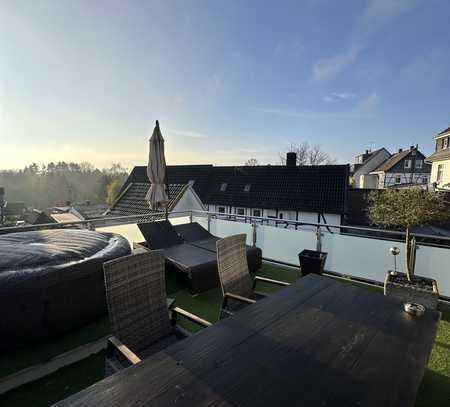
column 361, row 257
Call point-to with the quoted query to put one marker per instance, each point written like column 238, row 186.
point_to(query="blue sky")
column 228, row 80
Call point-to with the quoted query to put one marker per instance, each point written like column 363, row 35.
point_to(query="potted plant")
column 405, row 208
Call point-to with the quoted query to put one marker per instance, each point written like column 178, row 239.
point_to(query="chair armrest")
column 194, row 318
column 113, row 342
column 270, row 281
column 239, row 298
column 170, row 303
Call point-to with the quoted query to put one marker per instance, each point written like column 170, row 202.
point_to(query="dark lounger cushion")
column 160, row 234
column 191, row 232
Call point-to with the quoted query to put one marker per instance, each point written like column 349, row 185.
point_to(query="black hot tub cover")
column 51, row 281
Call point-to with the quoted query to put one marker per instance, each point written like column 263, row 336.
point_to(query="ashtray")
column 414, row 309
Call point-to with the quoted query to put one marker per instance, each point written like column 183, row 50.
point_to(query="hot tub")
column 51, row 282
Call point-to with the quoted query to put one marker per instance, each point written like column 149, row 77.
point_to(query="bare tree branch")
column 308, row 155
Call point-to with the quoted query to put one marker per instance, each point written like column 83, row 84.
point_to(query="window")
column 257, row 212
column 445, row 143
column 424, row 180
column 247, row 188
column 398, row 180
column 221, row 209
column 407, row 163
column 280, row 215
column 240, row 211
column 419, row 164
column 440, row 172
column 223, row 187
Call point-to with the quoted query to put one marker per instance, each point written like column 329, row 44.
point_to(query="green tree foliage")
column 112, row 190
column 56, row 183
column 405, row 208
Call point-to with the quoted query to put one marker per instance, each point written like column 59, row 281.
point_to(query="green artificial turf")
column 434, row 391
column 40, row 353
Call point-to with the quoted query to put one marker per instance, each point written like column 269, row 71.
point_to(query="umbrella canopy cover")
column 156, row 171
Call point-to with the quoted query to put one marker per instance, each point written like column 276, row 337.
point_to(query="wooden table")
column 319, row 342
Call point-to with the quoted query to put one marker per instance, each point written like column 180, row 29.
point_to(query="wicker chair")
column 238, row 289
column 138, row 310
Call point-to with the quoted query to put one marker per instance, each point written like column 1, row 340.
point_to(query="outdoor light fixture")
column 395, row 251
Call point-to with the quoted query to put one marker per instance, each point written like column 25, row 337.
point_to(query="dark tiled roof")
column 36, row 217
column 90, row 211
column 305, row 188
column 132, row 200
column 389, row 163
column 178, row 174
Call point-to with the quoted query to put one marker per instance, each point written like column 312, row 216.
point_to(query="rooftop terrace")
column 356, row 260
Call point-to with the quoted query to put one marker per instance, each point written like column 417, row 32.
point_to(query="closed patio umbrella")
column 157, row 197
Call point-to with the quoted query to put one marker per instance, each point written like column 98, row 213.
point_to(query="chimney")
column 367, row 152
column 411, row 148
column 291, row 159
column 400, row 150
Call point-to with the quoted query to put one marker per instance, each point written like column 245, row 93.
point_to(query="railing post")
column 209, row 222
column 254, row 227
column 318, row 240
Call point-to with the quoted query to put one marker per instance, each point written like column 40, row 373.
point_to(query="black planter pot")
column 312, row 261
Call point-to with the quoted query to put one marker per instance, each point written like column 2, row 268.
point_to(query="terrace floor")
column 434, row 391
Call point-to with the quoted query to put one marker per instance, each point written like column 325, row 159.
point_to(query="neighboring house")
column 405, row 168
column 131, row 200
column 62, row 217
column 87, row 210
column 14, row 209
column 365, row 164
column 282, row 192
column 36, row 217
column 440, row 159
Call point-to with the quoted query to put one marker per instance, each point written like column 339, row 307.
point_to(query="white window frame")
column 408, row 164
column 240, row 214
column 399, row 180
column 419, row 164
column 254, row 210
column 440, row 172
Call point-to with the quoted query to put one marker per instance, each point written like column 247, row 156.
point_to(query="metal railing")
column 149, row 217
column 310, row 234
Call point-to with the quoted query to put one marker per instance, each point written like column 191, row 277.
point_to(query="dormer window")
column 223, row 187
column 407, row 163
column 419, row 164
column 445, row 143
column 247, row 188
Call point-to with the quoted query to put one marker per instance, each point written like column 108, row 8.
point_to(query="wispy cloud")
column 338, row 96
column 381, row 12
column 364, row 109
column 329, row 67
column 187, row 133
column 377, row 14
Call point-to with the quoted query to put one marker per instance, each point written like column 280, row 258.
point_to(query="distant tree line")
column 57, row 183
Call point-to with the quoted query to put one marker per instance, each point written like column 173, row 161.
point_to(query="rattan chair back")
column 136, row 298
column 232, row 266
